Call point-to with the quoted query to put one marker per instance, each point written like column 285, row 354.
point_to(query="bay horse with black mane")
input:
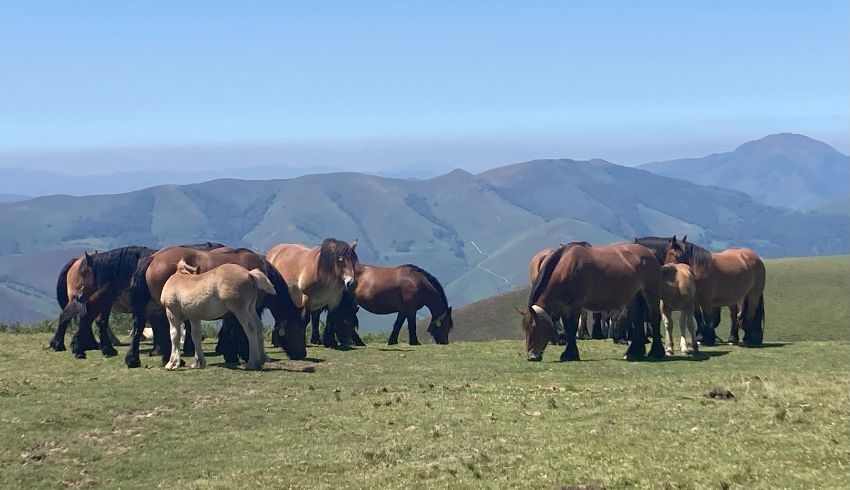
column 574, row 278
column 582, row 334
column 404, row 290
column 734, row 277
column 316, row 278
column 90, row 287
column 153, row 272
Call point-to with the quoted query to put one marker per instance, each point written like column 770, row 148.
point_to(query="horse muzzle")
column 535, row 357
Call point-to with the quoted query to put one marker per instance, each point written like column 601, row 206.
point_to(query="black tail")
column 62, row 284
column 284, row 299
column 754, row 333
column 140, row 294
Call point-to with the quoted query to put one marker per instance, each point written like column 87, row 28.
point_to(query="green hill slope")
column 805, row 299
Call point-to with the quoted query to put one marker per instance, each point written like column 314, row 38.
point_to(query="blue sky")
column 383, row 84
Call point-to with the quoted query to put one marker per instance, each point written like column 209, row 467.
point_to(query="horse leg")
column 228, row 340
column 188, row 338
column 596, row 332
column 161, row 328
column 656, row 351
column 570, row 329
column 315, row 316
column 734, row 325
column 556, row 334
column 57, row 343
column 83, row 338
column 131, row 358
column 686, row 322
column 357, row 341
column 106, row 346
column 175, row 329
column 635, row 329
column 412, row 338
column 393, row 340
column 582, row 334
column 195, row 331
column 709, row 337
column 329, row 335
column 249, row 326
column 666, row 313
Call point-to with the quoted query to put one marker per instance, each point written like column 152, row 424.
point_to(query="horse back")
column 536, row 262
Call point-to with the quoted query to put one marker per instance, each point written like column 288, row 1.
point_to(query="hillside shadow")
column 765, row 345
column 701, row 356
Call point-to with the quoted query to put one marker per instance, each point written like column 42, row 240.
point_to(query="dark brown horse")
column 597, row 333
column 153, row 272
column 734, row 277
column 90, row 287
column 404, row 290
column 317, row 277
column 575, row 278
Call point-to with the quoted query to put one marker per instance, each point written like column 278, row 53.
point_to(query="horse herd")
column 175, row 288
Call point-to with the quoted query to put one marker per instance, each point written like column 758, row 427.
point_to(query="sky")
column 96, row 86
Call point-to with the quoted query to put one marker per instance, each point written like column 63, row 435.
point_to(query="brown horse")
column 92, row 286
column 575, row 277
column 734, row 277
column 153, row 272
column 317, row 277
column 404, row 290
column 534, row 270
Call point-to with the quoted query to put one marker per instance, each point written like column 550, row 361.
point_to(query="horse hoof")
column 57, row 346
column 415, row 342
column 392, row 342
column 110, row 353
column 668, row 352
column 132, row 362
column 569, row 357
column 79, row 355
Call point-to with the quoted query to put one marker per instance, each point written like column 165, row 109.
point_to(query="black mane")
column 117, row 265
column 62, row 284
column 433, row 280
column 657, row 244
column 545, row 273
column 330, row 250
column 697, row 257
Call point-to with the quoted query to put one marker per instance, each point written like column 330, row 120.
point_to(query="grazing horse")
column 192, row 296
column 346, row 315
column 734, row 277
column 404, row 290
column 317, row 277
column 90, row 287
column 678, row 293
column 574, row 278
column 534, row 270
column 153, row 272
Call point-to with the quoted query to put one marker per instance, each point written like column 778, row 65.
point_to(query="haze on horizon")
column 97, row 87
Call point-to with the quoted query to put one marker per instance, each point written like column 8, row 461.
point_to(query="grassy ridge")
column 805, row 299
column 467, row 415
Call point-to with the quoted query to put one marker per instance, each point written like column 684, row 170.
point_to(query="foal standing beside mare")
column 190, row 296
column 316, row 278
column 734, row 277
column 574, row 278
column 404, row 290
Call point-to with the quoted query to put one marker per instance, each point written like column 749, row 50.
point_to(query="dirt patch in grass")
column 138, row 415
column 39, row 453
column 113, row 440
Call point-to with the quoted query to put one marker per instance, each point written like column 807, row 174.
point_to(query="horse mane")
column 433, row 280
column 545, row 273
column 117, row 264
column 281, row 290
column 204, row 246
column 330, row 250
column 140, row 294
column 699, row 258
column 657, row 244
column 62, row 284
column 582, row 243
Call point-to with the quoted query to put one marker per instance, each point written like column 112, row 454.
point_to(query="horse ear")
column 673, row 240
column 449, row 311
column 684, row 238
column 88, row 258
column 353, row 244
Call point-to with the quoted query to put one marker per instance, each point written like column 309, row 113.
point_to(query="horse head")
column 338, row 261
column 440, row 326
column 184, row 268
column 678, row 252
column 539, row 330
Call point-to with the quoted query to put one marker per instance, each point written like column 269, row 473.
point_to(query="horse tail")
column 261, row 281
column 140, row 293
column 62, row 284
column 545, row 274
column 758, row 319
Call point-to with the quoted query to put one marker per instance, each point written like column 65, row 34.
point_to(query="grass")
column 805, row 299
column 467, row 415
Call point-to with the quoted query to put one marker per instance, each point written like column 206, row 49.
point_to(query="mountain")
column 788, row 170
column 13, row 198
column 475, row 233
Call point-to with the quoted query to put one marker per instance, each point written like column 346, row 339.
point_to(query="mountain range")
column 788, row 170
column 475, row 232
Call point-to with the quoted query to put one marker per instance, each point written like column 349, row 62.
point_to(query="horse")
column 678, row 293
column 346, row 313
column 154, row 271
column 192, row 296
column 405, row 289
column 534, row 270
column 575, row 277
column 706, row 320
column 317, row 277
column 90, row 287
column 734, row 277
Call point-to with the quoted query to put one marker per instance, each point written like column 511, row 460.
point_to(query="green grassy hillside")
column 805, row 299
column 466, row 415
